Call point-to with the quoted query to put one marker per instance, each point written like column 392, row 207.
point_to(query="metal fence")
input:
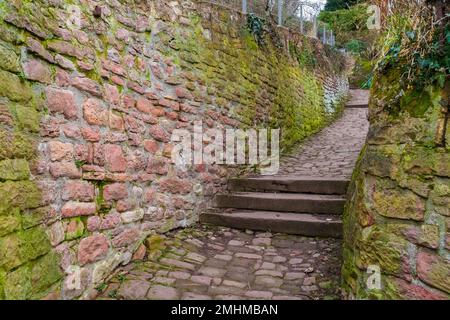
column 298, row 15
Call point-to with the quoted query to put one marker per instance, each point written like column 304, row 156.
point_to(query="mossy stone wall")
column 87, row 107
column 398, row 213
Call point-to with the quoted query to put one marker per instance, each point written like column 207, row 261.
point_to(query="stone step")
column 357, row 105
column 291, row 223
column 317, row 185
column 286, row 202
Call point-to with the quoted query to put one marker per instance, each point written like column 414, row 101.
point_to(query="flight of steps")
column 308, row 206
column 359, row 99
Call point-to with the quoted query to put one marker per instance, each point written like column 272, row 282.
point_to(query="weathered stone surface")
column 74, row 229
column 78, row 191
column 402, row 176
column 132, row 216
column 174, row 185
column 12, row 88
column 9, row 223
column 133, row 290
column 60, row 151
column 427, row 235
column 380, row 247
column 8, row 58
column 159, row 292
column 114, row 158
column 433, row 270
column 92, row 249
column 37, row 70
column 23, row 246
column 75, row 209
column 126, row 238
column 61, row 101
column 115, row 191
column 56, row 233
column 269, row 281
column 400, row 289
column 395, row 203
column 65, row 169
column 14, row 169
column 20, row 194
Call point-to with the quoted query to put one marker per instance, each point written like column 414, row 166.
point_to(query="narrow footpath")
column 216, row 262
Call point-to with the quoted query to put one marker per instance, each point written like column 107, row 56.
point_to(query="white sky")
column 308, row 11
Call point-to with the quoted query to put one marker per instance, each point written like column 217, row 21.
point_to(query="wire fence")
column 298, row 15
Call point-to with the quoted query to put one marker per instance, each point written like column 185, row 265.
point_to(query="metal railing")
column 298, row 15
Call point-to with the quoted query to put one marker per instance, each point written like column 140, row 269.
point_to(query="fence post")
column 280, row 12
column 244, row 6
column 301, row 18
column 324, row 40
column 315, row 31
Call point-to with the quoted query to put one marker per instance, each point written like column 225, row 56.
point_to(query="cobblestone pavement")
column 333, row 151
column 222, row 263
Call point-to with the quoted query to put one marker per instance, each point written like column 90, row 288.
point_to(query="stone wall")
column 90, row 92
column 398, row 214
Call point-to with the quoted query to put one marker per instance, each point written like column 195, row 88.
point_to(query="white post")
column 244, row 6
column 280, row 12
column 301, row 18
column 324, row 40
column 315, row 27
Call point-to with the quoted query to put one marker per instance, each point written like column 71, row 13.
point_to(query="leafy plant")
column 256, row 26
column 79, row 163
column 356, row 46
column 413, row 44
column 339, row 4
column 101, row 287
column 305, row 56
column 121, row 278
column 113, row 294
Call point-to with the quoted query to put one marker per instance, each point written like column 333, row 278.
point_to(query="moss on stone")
column 14, row 169
column 10, row 223
column 23, row 246
column 18, row 284
column 10, row 252
column 389, row 201
column 379, row 246
column 9, row 60
column 16, row 144
column 27, row 118
column 32, row 279
column 240, row 67
column 76, row 228
column 19, row 194
column 12, row 87
column 34, row 217
column 45, row 272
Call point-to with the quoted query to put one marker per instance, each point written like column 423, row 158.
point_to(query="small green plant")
column 113, row 294
column 256, row 26
column 305, row 56
column 101, row 287
column 121, row 278
column 79, row 163
column 356, row 46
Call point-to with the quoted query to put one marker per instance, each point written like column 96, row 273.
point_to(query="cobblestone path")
column 333, row 151
column 221, row 263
